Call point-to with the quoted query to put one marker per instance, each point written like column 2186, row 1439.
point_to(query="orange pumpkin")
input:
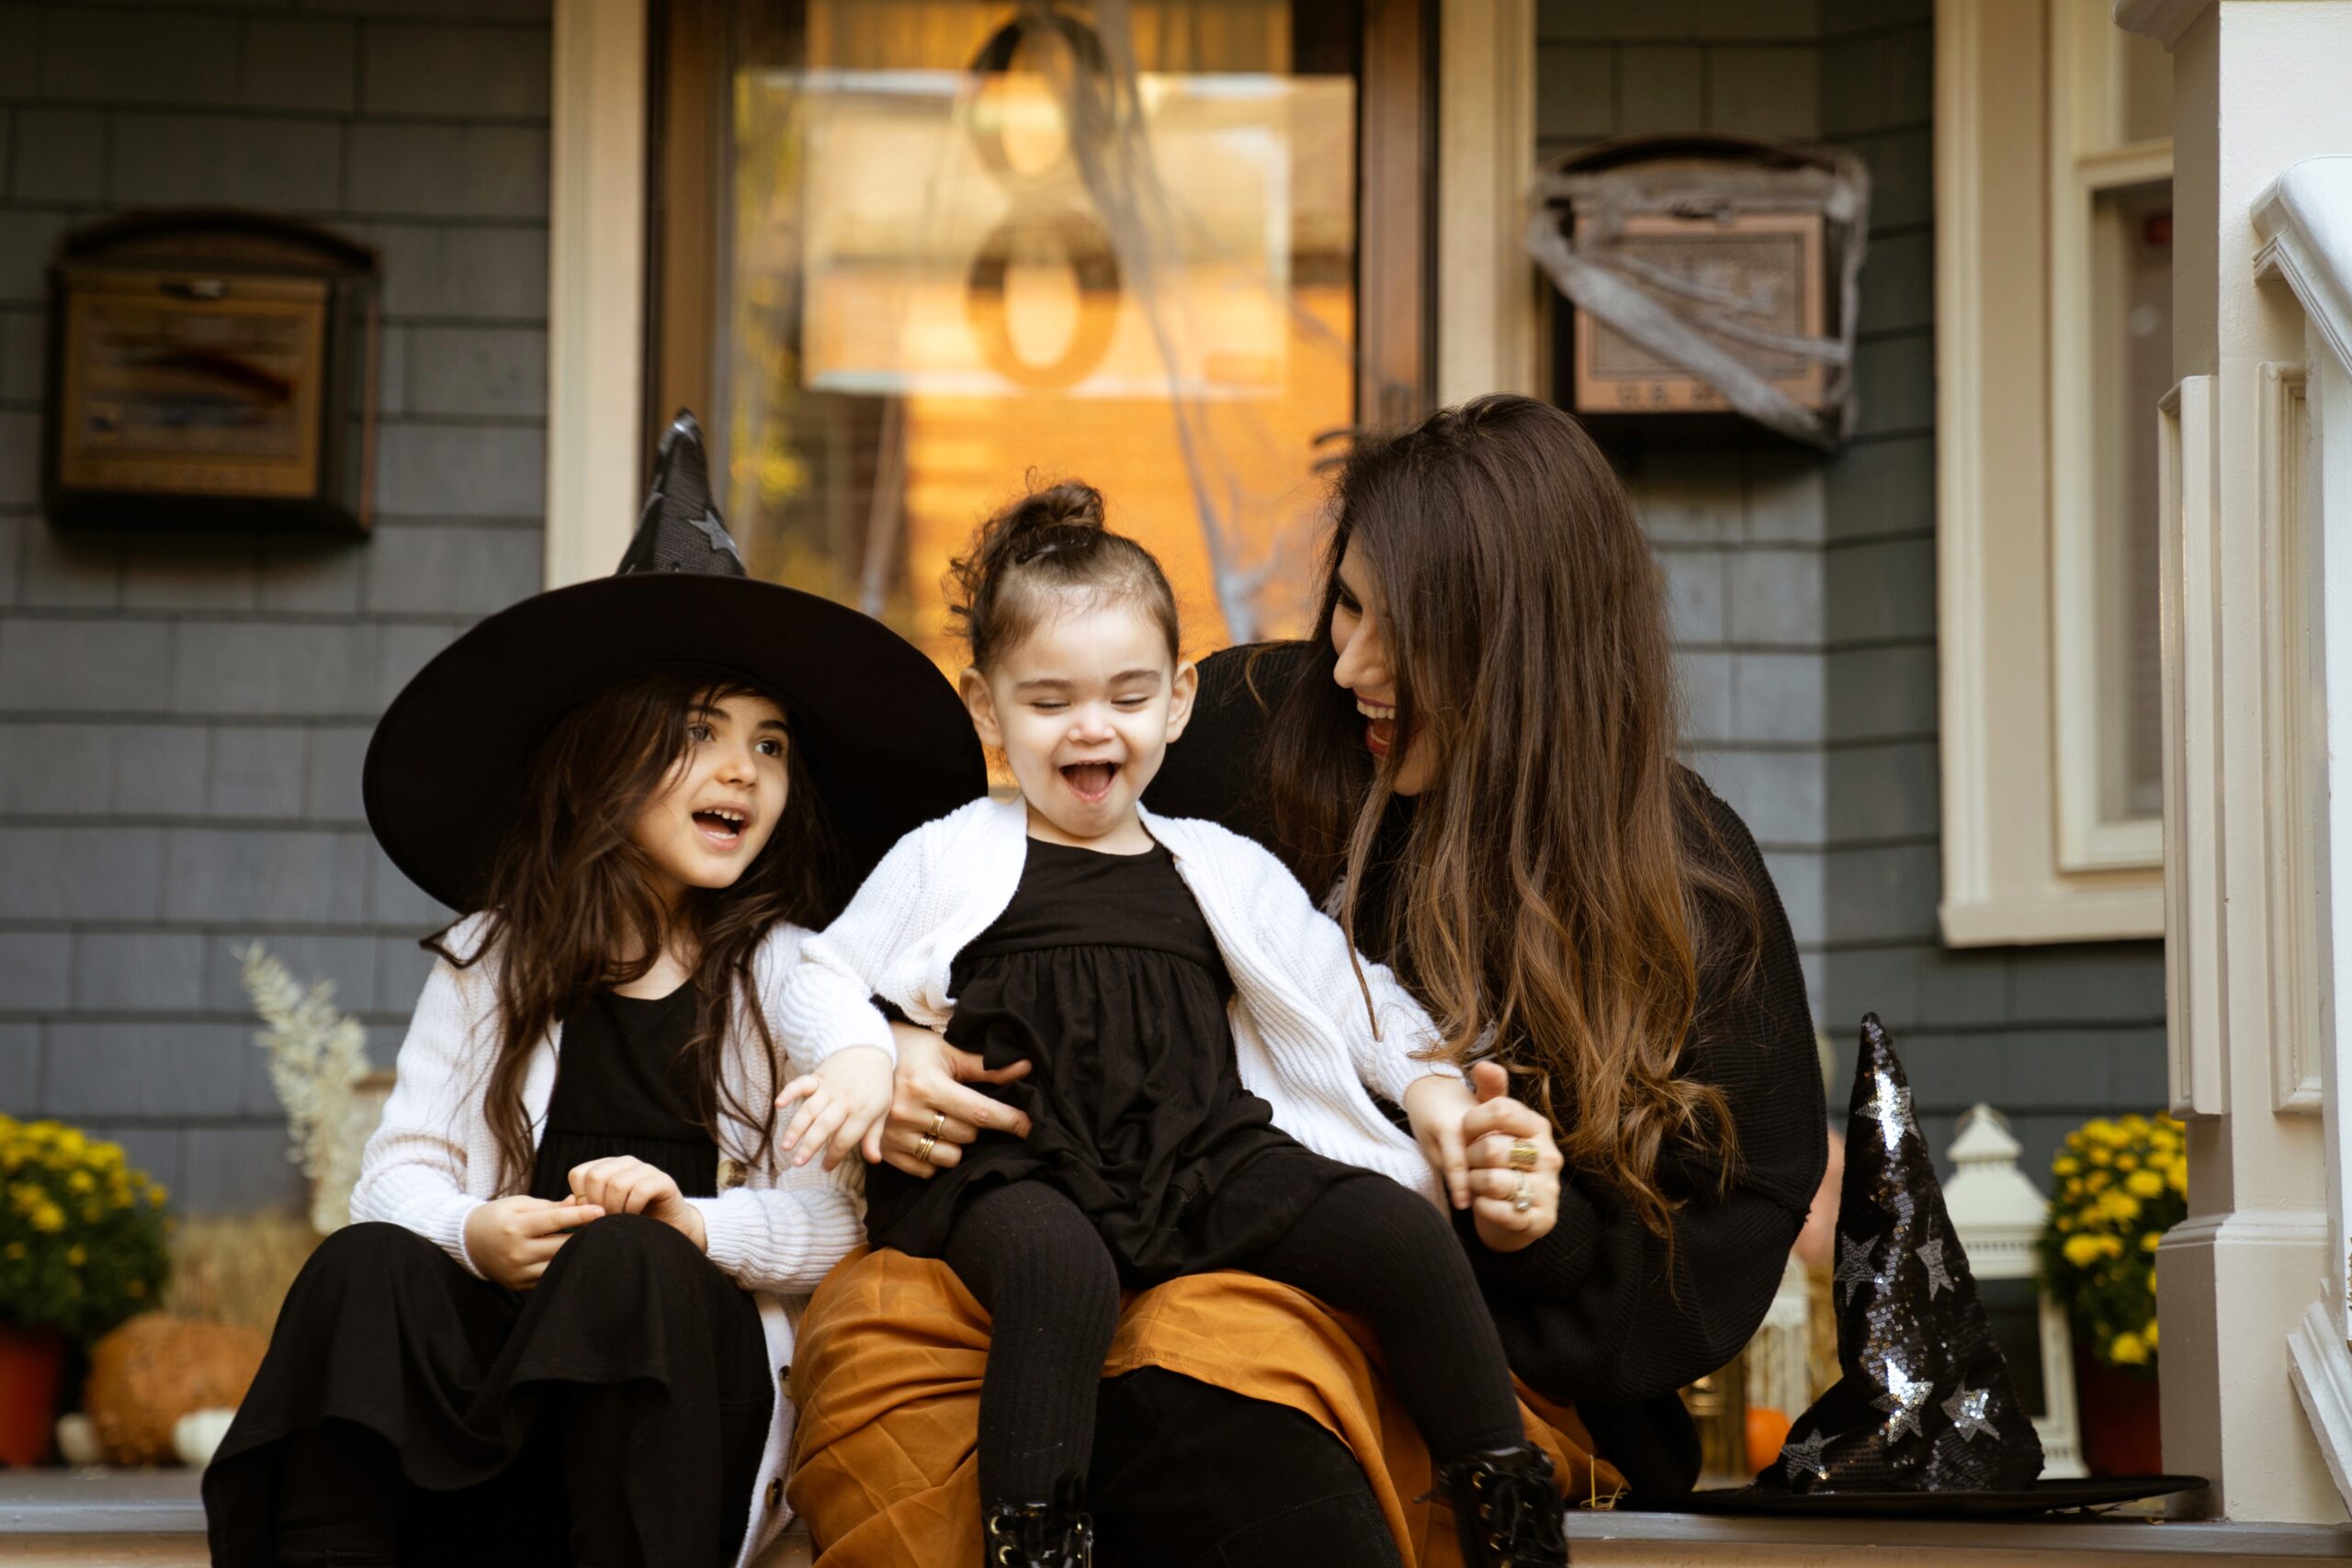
column 1767, row 1430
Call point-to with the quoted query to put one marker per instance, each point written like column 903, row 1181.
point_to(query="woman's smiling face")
column 1358, row 637
column 721, row 799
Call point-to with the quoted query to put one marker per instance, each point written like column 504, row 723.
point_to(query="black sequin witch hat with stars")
column 885, row 737
column 1925, row 1401
column 1924, row 1417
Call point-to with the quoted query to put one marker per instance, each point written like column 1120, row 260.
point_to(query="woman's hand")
column 512, row 1240
column 1493, row 1127
column 622, row 1184
column 1436, row 1106
column 840, row 1106
column 934, row 1111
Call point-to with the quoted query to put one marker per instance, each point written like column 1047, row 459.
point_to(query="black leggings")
column 1364, row 1245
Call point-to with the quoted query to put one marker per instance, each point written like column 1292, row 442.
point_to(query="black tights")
column 1365, row 1244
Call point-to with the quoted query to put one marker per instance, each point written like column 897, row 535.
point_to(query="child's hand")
column 1436, row 1105
column 842, row 1106
column 622, row 1184
column 512, row 1240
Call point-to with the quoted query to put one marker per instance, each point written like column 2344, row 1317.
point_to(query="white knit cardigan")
column 433, row 1160
column 1302, row 1036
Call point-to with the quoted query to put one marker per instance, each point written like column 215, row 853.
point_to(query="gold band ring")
column 938, row 1123
column 1523, row 1156
column 924, row 1147
column 1522, row 1198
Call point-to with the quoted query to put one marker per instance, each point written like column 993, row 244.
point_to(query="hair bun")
column 1073, row 504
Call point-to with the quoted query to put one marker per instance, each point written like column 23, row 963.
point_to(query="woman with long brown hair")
column 1472, row 762
column 553, row 1334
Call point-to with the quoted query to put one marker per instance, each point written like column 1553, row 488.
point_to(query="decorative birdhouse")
column 1998, row 1212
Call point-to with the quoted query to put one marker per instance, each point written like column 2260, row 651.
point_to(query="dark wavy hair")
column 1050, row 540
column 1559, row 891
column 572, row 906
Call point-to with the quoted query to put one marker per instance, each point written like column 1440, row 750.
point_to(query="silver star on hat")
column 1931, row 1259
column 1904, row 1396
column 1804, row 1457
column 1967, row 1410
column 1853, row 1267
column 1890, row 1107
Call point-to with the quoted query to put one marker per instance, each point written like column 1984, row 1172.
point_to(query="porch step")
column 149, row 1519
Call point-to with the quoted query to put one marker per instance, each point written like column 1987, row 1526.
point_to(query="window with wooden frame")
column 907, row 254
column 2054, row 348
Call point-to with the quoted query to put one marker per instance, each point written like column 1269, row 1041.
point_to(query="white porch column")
column 2257, row 87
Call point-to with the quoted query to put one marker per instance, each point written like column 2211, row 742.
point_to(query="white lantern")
column 1997, row 1212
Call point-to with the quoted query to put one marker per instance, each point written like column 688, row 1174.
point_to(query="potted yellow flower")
column 81, row 1248
column 2120, row 1184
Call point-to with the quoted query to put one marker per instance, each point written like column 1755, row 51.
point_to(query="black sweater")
column 1591, row 1314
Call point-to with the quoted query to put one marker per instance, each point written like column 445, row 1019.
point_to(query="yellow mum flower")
column 2149, row 1334
column 2081, row 1251
column 75, row 1256
column 2120, row 1205
column 2151, row 1241
column 2066, row 1165
column 2127, row 1162
column 2097, row 1180
column 49, row 1218
column 2178, row 1178
column 2129, row 1350
column 81, row 1181
column 156, row 1193
column 2145, row 1184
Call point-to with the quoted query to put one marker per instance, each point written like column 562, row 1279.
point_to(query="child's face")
column 1083, row 708
column 721, row 800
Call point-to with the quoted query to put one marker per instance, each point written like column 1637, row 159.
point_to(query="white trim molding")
column 2162, row 20
column 2006, row 845
column 595, row 286
column 1486, row 139
column 2304, row 222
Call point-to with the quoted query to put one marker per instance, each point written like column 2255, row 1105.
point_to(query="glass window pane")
column 2131, row 295
column 1116, row 244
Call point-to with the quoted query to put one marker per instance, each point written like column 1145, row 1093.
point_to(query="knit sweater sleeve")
column 1603, row 1308
column 784, row 1230
column 414, row 1171
column 826, row 1005
column 1385, row 1038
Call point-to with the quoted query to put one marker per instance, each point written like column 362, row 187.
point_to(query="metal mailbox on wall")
column 1708, row 279
column 209, row 369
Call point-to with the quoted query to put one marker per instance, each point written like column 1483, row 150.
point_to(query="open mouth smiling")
column 1380, row 727
column 722, row 825
column 1090, row 781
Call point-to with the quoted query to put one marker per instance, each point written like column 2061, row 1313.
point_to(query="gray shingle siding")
column 182, row 720
column 1803, row 589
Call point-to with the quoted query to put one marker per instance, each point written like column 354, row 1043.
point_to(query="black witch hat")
column 885, row 737
column 1924, row 1417
column 1925, row 1401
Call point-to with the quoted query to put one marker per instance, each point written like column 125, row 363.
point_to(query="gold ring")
column 1522, row 1200
column 924, row 1147
column 1523, row 1156
column 938, row 1123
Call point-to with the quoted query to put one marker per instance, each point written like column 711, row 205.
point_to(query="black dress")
column 1103, row 973
column 409, row 1412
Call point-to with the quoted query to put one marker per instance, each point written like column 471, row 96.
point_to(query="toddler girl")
column 1200, row 1040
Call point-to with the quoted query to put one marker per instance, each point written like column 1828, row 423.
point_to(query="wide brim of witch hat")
column 2042, row 1497
column 885, row 738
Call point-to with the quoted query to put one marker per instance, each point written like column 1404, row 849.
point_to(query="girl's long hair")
column 1560, row 891
column 572, row 910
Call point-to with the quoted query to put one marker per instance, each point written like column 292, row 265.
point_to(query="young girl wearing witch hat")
column 556, row 1332
column 1199, row 1042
